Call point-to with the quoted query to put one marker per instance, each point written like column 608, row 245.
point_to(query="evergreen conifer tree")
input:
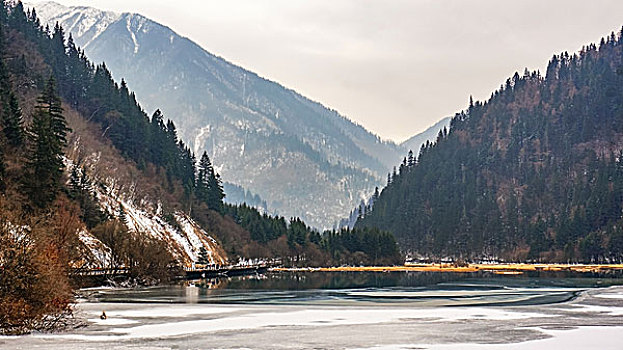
column 204, row 258
column 12, row 124
column 203, row 182
column 4, row 15
column 209, row 187
column 48, row 134
column 411, row 159
column 215, row 199
column 10, row 113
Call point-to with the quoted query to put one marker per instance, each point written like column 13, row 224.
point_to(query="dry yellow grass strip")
column 444, row 267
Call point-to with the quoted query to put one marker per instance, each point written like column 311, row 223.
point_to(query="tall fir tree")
column 48, row 137
column 202, row 190
column 10, row 113
column 215, row 200
column 209, row 188
column 12, row 122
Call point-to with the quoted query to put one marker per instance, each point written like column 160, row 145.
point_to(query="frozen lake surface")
column 350, row 311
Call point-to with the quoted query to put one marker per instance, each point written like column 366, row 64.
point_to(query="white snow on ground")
column 99, row 251
column 192, row 238
column 146, row 217
column 188, row 238
column 18, row 232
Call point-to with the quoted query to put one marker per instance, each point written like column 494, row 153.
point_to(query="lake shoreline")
column 506, row 269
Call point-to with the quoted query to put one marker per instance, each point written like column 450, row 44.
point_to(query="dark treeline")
column 297, row 244
column 534, row 173
column 263, row 227
column 361, row 246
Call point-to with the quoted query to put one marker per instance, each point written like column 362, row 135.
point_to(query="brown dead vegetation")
column 35, row 290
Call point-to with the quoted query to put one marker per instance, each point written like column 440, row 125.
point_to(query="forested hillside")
column 533, row 173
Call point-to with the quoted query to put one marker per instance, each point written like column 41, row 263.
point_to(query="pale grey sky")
column 394, row 66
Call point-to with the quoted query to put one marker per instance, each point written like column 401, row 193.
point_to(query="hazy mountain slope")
column 304, row 159
column 533, row 173
column 237, row 195
column 415, row 142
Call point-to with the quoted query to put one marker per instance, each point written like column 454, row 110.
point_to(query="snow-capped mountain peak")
column 85, row 23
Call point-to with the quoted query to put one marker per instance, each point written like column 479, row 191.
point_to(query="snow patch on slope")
column 196, row 238
column 101, row 254
column 184, row 241
column 132, row 35
column 203, row 134
column 183, row 236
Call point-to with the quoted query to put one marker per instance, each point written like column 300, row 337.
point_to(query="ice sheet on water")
column 610, row 296
column 271, row 318
column 610, row 310
column 603, row 338
column 170, row 312
column 111, row 321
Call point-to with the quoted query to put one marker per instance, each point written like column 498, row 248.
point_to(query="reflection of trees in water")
column 346, row 280
column 335, row 280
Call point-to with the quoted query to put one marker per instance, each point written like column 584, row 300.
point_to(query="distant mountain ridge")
column 304, row 159
column 414, row 143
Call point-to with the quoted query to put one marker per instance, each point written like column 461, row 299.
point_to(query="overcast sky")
column 393, row 66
